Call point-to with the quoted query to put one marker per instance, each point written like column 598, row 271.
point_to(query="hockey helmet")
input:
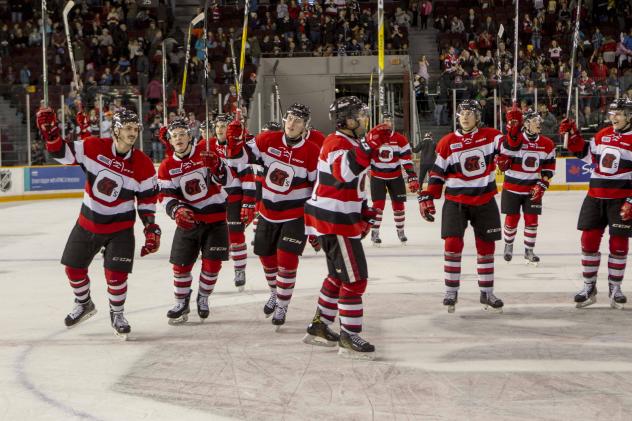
column 470, row 105
column 125, row 116
column 346, row 107
column 178, row 123
column 621, row 104
column 272, row 126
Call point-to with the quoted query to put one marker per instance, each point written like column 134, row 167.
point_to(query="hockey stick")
column 514, row 98
column 380, row 56
column 235, row 73
column 242, row 53
column 277, row 94
column 44, row 61
column 371, row 95
column 75, row 76
column 208, row 145
column 164, row 84
column 187, row 57
column 501, row 31
column 572, row 69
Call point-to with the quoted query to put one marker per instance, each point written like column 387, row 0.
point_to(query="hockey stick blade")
column 68, row 7
column 199, row 18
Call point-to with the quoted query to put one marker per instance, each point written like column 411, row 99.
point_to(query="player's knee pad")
column 353, row 289
column 453, row 244
column 269, row 261
column 182, row 270
column 619, row 245
column 591, row 240
column 398, row 206
column 379, row 204
column 287, row 260
column 531, row 219
column 511, row 220
column 76, row 274
column 485, row 248
column 236, row 237
column 115, row 277
column 211, row 265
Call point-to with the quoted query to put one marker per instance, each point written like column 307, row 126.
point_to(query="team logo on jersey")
column 606, row 139
column 530, row 161
column 609, row 162
column 472, row 162
column 107, row 186
column 279, row 177
column 455, row 146
column 193, row 185
column 104, row 160
column 5, row 180
column 386, row 153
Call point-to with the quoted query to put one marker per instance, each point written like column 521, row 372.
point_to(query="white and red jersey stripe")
column 392, row 157
column 611, row 154
column 242, row 187
column 289, row 173
column 339, row 194
column 114, row 183
column 186, row 181
column 535, row 159
column 465, row 164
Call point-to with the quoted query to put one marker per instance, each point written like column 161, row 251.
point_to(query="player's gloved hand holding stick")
column 626, row 209
column 375, row 138
column 426, row 205
column 247, row 213
column 184, row 217
column 235, row 136
column 538, row 190
column 513, row 117
column 46, row 121
column 413, row 183
column 575, row 141
column 152, row 239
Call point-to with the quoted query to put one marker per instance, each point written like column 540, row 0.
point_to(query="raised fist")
column 514, row 117
column 235, row 136
column 211, row 161
column 575, row 142
column 46, row 121
column 503, row 162
column 378, row 136
column 568, row 126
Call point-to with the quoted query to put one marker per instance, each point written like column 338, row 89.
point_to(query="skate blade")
column 241, row 288
column 586, row 303
column 277, row 328
column 530, row 263
column 376, row 244
column 355, row 355
column 83, row 319
column 403, row 243
column 318, row 341
column 268, row 314
column 451, row 309
column 122, row 336
column 179, row 320
column 491, row 309
column 617, row 306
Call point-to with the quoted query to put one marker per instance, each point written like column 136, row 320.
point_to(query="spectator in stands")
column 106, row 125
column 25, row 76
column 549, row 122
column 157, row 148
column 37, row 153
column 425, row 9
column 153, row 93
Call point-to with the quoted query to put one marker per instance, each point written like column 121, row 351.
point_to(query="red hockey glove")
column 211, row 161
column 503, row 162
column 235, row 135
column 82, row 121
column 184, row 217
column 538, row 190
column 413, row 183
column 163, row 136
column 369, row 215
column 514, row 117
column 152, row 239
column 568, row 126
column 378, row 136
column 313, row 240
column 626, row 209
column 426, row 205
column 247, row 213
column 575, row 141
column 46, row 121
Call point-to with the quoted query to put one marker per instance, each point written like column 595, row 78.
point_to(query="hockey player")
column 608, row 202
column 338, row 214
column 386, row 175
column 465, row 164
column 528, row 169
column 191, row 192
column 241, row 200
column 117, row 176
column 289, row 170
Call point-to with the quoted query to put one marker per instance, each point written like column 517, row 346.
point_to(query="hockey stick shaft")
column 187, row 57
column 242, row 53
column 206, row 120
column 164, row 84
column 44, row 61
column 514, row 98
column 75, row 76
column 380, row 55
column 572, row 68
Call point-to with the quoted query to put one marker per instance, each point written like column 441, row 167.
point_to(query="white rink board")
column 540, row 360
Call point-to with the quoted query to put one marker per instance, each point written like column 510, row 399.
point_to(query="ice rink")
column 542, row 359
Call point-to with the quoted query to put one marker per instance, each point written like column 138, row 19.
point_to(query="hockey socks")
column 208, row 276
column 117, row 289
column 286, row 278
column 182, row 282
column 80, row 283
column 350, row 306
column 452, row 262
column 237, row 250
column 328, row 299
column 485, row 264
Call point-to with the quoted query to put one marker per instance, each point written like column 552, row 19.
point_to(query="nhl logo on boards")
column 5, row 180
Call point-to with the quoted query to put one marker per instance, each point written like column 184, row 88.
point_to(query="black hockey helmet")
column 530, row 114
column 125, row 116
column 621, row 104
column 272, row 126
column 345, row 107
column 299, row 110
column 178, row 123
column 387, row 115
column 470, row 105
column 223, row 118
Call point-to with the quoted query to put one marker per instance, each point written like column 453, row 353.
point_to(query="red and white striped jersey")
column 465, row 164
column 535, row 159
column 392, row 156
column 242, row 187
column 113, row 183
column 611, row 154
column 339, row 193
column 288, row 177
column 186, row 181
column 316, row 136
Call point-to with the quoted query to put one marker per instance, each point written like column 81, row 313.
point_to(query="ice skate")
column 375, row 237
column 586, row 296
column 240, row 279
column 402, row 236
column 278, row 319
column 450, row 300
column 491, row 303
column 80, row 313
column 180, row 311
column 508, row 255
column 353, row 346
column 119, row 324
column 319, row 333
column 617, row 299
column 530, row 258
column 269, row 306
column 202, row 306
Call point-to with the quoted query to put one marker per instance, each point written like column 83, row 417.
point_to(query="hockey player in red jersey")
column 118, row 176
column 289, row 161
column 338, row 214
column 191, row 192
column 386, row 174
column 465, row 165
column 241, row 200
column 528, row 168
column 608, row 202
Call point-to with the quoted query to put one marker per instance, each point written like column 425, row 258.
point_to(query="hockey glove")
column 626, row 209
column 235, row 135
column 369, row 215
column 575, row 141
column 152, row 239
column 184, row 217
column 211, row 161
column 426, row 205
column 46, row 121
column 503, row 162
column 413, row 183
column 313, row 240
column 247, row 213
column 538, row 190
column 163, row 137
column 378, row 136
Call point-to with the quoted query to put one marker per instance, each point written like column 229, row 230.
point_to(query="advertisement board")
column 577, row 171
column 54, row 178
